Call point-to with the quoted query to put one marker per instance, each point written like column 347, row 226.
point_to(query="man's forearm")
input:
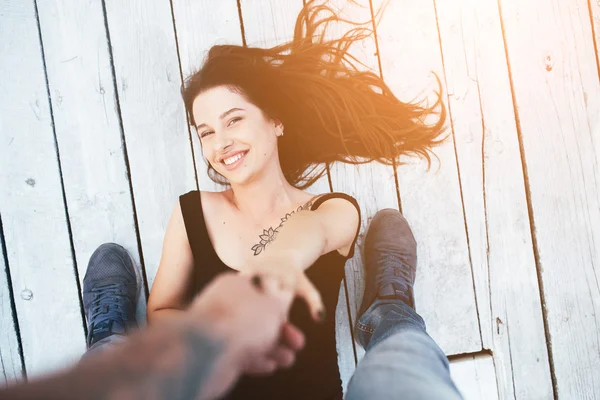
column 173, row 361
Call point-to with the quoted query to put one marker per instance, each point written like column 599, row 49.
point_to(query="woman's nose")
column 223, row 142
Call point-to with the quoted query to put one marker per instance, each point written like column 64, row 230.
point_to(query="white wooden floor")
column 95, row 147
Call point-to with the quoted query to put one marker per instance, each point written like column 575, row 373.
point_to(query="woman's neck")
column 261, row 199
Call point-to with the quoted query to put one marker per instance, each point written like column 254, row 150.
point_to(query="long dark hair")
column 331, row 110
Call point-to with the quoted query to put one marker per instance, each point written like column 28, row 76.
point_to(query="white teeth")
column 233, row 159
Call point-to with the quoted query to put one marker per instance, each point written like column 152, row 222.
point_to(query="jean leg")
column 402, row 361
column 105, row 344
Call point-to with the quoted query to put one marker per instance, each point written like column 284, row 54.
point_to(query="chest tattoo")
column 269, row 235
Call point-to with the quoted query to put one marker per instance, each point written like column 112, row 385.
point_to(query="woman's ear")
column 278, row 127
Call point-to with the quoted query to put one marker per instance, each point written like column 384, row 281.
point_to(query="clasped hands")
column 248, row 312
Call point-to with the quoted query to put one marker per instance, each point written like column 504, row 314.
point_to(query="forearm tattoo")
column 269, row 235
column 168, row 363
column 180, row 369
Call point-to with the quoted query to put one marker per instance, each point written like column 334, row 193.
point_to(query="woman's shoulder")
column 207, row 201
column 317, row 199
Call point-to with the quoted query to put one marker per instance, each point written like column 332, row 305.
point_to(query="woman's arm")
column 307, row 235
column 172, row 288
column 302, row 240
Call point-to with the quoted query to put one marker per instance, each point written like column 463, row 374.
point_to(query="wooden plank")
column 494, row 196
column 197, row 31
column 431, row 200
column 373, row 184
column 374, row 187
column 158, row 144
column 11, row 366
column 475, row 377
column 557, row 94
column 343, row 338
column 86, row 122
column 35, row 226
column 267, row 24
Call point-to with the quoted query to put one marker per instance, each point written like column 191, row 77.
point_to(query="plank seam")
column 345, row 283
column 536, row 254
column 11, row 296
column 485, row 209
column 512, row 370
column 378, row 54
column 3, row 368
column 459, row 356
column 187, row 119
column 124, row 147
column 591, row 13
column 496, row 364
column 60, row 172
column 350, row 322
column 241, row 18
column 460, row 188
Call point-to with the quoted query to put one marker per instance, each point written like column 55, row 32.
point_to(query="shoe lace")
column 397, row 275
column 109, row 304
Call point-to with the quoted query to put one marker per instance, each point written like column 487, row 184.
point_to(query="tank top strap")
column 193, row 218
column 207, row 264
column 333, row 195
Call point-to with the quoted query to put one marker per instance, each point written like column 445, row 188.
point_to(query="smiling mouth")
column 232, row 162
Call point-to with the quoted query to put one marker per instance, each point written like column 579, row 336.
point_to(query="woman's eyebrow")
column 226, row 113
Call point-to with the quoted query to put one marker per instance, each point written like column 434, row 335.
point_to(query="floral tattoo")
column 269, row 235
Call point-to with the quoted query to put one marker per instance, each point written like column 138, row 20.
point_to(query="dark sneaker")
column 110, row 290
column 390, row 256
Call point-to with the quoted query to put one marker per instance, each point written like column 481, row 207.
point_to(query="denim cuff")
column 385, row 317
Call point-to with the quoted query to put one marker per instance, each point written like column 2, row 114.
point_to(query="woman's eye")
column 234, row 119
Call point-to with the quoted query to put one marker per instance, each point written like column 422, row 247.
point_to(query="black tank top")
column 315, row 374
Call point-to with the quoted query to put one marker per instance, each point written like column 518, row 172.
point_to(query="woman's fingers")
column 283, row 356
column 311, row 295
column 284, row 278
column 287, row 277
column 302, row 287
column 293, row 281
column 292, row 337
column 271, row 285
column 280, row 357
column 260, row 367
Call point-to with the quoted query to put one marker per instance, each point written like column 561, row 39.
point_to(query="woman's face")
column 237, row 139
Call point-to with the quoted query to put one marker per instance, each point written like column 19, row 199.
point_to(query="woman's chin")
column 237, row 177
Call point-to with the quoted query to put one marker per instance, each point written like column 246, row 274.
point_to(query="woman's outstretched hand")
column 287, row 277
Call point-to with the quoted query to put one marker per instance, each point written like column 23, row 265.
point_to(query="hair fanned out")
column 331, row 109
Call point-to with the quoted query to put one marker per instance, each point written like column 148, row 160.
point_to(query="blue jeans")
column 402, row 361
column 102, row 345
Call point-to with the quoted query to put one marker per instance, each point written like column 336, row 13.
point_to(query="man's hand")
column 251, row 320
column 232, row 328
